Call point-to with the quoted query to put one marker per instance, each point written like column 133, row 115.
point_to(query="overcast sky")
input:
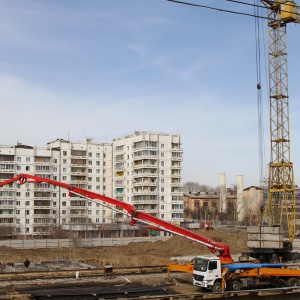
column 105, row 68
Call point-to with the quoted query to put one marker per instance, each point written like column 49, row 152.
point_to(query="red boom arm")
column 218, row 249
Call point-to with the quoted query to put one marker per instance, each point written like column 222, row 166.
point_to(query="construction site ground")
column 140, row 254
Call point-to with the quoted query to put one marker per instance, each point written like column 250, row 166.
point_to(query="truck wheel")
column 234, row 285
column 292, row 282
column 281, row 283
column 217, row 287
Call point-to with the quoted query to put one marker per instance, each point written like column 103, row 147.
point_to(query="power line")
column 217, row 9
column 231, row 11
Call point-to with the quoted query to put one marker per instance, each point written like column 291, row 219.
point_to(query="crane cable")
column 259, row 97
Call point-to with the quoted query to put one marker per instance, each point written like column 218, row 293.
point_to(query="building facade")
column 147, row 173
column 143, row 169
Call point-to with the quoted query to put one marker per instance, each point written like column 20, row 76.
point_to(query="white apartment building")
column 147, row 170
column 143, row 169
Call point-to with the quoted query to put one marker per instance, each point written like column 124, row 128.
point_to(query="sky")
column 102, row 69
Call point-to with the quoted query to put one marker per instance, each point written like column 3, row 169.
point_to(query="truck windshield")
column 200, row 264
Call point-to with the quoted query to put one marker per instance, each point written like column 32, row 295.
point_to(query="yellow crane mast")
column 281, row 185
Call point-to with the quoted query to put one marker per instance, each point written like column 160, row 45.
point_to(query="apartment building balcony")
column 7, row 213
column 144, row 192
column 75, row 182
column 145, row 202
column 76, row 207
column 7, row 220
column 176, row 175
column 41, row 203
column 6, row 168
column 40, row 198
column 119, row 168
column 145, row 174
column 176, row 167
column 119, row 174
column 78, row 173
column 7, row 195
column 144, row 183
column 4, row 158
column 176, row 184
column 152, row 212
column 42, row 163
column 145, row 148
column 176, row 158
column 6, row 176
column 79, row 216
column 41, row 215
column 119, row 185
column 78, row 162
column 177, row 149
column 12, row 206
column 147, row 166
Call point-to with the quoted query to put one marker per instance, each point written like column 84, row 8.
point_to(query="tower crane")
column 281, row 185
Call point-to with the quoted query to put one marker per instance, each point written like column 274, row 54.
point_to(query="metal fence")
column 78, row 242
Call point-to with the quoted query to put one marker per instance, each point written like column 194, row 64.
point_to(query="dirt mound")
column 133, row 254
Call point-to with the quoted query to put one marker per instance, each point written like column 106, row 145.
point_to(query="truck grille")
column 198, row 277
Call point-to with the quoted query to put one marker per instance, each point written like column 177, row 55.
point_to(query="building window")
column 64, row 212
column 162, row 216
column 64, row 153
column 97, row 220
column 98, row 155
column 64, row 161
column 27, row 194
column 64, row 195
column 64, row 203
column 90, row 154
column 64, row 178
column 18, row 159
column 54, row 160
column 162, row 163
column 27, row 168
column 162, row 146
column 162, row 172
column 27, row 159
column 89, row 212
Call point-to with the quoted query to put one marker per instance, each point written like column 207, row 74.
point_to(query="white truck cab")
column 207, row 273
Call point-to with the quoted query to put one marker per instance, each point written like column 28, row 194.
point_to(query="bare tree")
column 195, row 187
